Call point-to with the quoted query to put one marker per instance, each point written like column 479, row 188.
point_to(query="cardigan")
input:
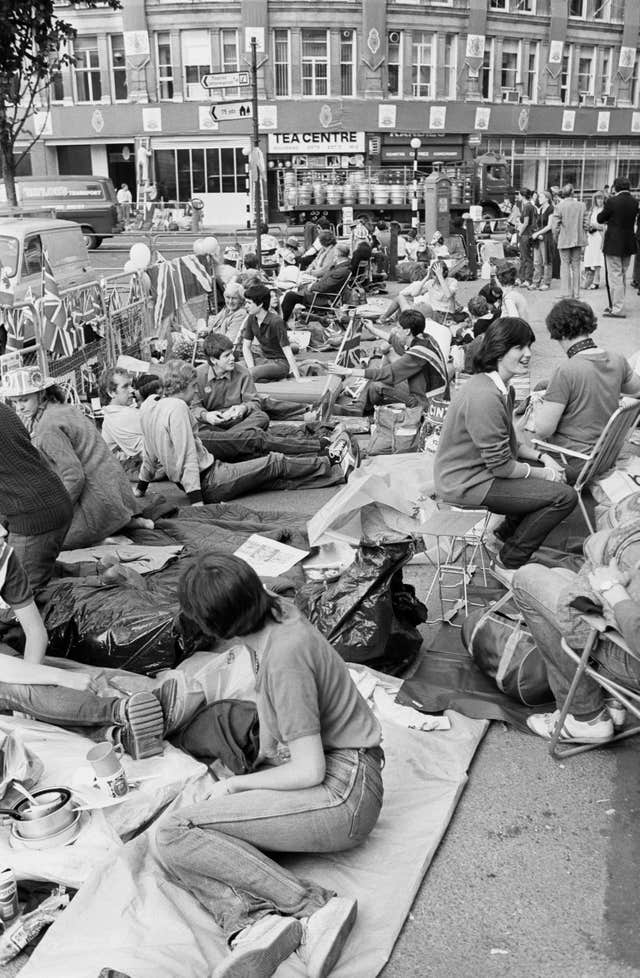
column 477, row 444
column 32, row 497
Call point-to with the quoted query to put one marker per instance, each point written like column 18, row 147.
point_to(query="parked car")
column 90, row 201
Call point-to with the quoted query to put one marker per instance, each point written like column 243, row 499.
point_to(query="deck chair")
column 598, row 629
column 323, row 303
column 605, row 452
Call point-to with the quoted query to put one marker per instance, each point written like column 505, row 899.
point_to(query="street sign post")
column 222, row 111
column 226, row 79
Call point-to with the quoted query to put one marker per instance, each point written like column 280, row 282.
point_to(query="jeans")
column 38, row 554
column 265, row 370
column 248, row 439
column 616, row 275
column 533, row 508
column 570, row 261
column 290, row 300
column 525, row 246
column 283, row 410
column 227, row 480
column 217, row 849
column 541, row 263
column 537, row 592
column 379, row 393
column 63, row 707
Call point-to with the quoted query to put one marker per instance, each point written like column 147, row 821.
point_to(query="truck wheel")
column 91, row 240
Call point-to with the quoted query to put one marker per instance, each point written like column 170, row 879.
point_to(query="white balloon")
column 130, row 267
column 199, row 247
column 211, row 245
column 140, row 255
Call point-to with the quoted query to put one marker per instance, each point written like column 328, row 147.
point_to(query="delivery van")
column 90, row 201
column 23, row 242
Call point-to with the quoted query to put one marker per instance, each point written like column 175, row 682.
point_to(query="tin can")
column 9, row 908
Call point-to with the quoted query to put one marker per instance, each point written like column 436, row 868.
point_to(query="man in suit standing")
column 569, row 218
column 619, row 214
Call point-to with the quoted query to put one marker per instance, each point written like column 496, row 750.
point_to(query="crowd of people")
column 68, row 483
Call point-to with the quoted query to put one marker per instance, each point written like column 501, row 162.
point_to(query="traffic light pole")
column 254, row 168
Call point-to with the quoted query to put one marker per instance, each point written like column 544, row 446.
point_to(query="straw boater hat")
column 23, row 381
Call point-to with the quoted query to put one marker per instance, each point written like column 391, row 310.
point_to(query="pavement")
column 537, row 876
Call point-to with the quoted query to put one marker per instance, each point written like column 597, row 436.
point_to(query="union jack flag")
column 350, row 349
column 59, row 336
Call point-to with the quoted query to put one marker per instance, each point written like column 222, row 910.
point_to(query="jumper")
column 478, row 443
column 215, row 393
column 170, row 442
column 32, row 497
column 422, row 366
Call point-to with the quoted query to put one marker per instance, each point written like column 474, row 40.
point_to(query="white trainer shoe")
column 582, row 731
column 325, row 934
column 259, row 950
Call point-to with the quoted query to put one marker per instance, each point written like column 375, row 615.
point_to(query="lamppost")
column 415, row 144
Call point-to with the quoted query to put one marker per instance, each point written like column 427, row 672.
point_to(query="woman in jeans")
column 317, row 786
column 480, row 462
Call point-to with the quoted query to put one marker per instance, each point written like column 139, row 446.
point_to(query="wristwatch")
column 607, row 585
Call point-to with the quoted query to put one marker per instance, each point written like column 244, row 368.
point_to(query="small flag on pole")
column 59, row 336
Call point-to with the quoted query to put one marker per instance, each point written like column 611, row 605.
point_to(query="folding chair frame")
column 316, row 309
column 457, row 569
column 604, row 454
column 631, row 700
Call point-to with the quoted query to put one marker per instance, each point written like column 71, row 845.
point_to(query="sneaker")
column 617, row 711
column 345, row 452
column 582, row 731
column 544, row 288
column 259, row 950
column 172, row 694
column 141, row 725
column 325, row 934
column 502, row 573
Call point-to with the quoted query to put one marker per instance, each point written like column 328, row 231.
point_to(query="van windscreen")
column 9, row 249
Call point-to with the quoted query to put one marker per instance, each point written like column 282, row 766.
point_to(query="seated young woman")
column 480, row 462
column 319, row 788
column 585, row 389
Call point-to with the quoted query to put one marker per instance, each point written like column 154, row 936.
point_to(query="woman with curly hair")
column 585, row 390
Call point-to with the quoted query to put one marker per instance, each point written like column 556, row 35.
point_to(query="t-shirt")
column 14, row 584
column 589, row 387
column 304, row 688
column 271, row 334
column 529, row 211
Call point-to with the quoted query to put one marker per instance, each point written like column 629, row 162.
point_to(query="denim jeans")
column 537, row 592
column 570, row 261
column 533, row 508
column 265, row 370
column 62, row 706
column 379, row 393
column 38, row 554
column 228, row 480
column 525, row 246
column 541, row 262
column 283, row 410
column 616, row 268
column 248, row 440
column 217, row 849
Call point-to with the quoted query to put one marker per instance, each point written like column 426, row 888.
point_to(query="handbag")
column 501, row 645
column 395, row 429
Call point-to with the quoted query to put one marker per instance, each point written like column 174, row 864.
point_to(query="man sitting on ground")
column 232, row 424
column 121, row 419
column 171, row 441
column 412, row 378
column 323, row 289
column 276, row 360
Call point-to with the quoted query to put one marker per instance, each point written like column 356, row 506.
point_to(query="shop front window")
column 315, row 62
column 183, row 173
column 165, row 65
column 394, row 64
column 87, row 69
column 281, row 63
column 423, row 65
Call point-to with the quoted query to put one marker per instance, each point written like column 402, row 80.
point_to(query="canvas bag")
column 395, row 429
column 500, row 644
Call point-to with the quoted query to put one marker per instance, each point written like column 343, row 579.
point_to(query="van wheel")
column 91, row 240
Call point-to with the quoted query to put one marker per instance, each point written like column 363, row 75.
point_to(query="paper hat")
column 23, row 381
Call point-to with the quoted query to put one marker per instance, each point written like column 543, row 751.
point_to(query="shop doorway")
column 121, row 163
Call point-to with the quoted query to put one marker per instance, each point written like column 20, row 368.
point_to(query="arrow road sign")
column 225, row 79
column 222, row 111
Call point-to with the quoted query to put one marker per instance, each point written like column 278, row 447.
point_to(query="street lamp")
column 415, row 144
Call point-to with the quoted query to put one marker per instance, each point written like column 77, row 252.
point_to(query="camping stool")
column 461, row 528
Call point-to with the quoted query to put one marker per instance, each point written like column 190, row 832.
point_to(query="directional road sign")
column 225, row 79
column 222, row 111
